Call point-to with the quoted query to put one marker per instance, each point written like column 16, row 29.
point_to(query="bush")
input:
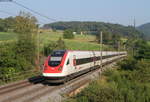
column 7, row 73
column 142, row 74
column 68, row 34
column 118, row 88
column 128, row 64
column 58, row 45
column 131, row 83
column 10, row 59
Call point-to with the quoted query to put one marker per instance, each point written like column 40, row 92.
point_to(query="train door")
column 94, row 59
column 68, row 64
column 74, row 61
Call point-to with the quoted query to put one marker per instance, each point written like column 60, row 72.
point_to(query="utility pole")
column 101, row 47
column 38, row 43
column 134, row 23
column 118, row 47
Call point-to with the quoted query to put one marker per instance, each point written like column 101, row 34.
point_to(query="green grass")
column 7, row 36
column 77, row 45
column 149, row 42
column 81, row 42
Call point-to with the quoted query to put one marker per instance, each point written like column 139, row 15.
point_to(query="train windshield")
column 56, row 58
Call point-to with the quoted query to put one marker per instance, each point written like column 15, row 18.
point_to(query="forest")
column 95, row 28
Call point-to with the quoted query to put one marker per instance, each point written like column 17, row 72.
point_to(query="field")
column 149, row 42
column 81, row 42
column 7, row 36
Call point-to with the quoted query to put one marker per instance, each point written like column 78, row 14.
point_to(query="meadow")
column 149, row 42
column 7, row 36
column 80, row 42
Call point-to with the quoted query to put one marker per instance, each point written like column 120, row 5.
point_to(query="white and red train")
column 63, row 65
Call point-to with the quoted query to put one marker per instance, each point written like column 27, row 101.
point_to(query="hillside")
column 95, row 27
column 145, row 28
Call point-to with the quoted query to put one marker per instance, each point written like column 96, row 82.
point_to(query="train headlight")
column 60, row 68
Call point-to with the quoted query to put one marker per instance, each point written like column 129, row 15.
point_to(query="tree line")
column 95, row 27
column 7, row 24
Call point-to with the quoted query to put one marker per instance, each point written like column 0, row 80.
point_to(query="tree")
column 142, row 50
column 6, row 24
column 9, row 23
column 26, row 28
column 107, row 37
column 58, row 45
column 68, row 34
column 2, row 26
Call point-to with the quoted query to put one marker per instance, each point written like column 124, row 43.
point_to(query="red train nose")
column 60, row 68
column 45, row 67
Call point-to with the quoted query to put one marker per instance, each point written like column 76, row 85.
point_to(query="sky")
column 110, row 11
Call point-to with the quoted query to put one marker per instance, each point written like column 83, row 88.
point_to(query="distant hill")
column 95, row 27
column 145, row 28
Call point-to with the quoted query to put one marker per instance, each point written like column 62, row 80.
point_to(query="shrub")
column 7, row 73
column 68, row 34
column 142, row 74
column 58, row 45
column 128, row 64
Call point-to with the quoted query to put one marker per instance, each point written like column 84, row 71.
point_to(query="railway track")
column 18, row 85
column 33, row 89
column 10, row 87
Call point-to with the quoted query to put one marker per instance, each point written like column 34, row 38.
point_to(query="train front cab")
column 54, row 67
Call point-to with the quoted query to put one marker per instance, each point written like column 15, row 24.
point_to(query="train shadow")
column 36, row 79
column 40, row 80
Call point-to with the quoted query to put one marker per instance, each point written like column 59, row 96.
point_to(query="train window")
column 68, row 62
column 84, row 61
column 58, row 53
column 56, row 58
column 90, row 59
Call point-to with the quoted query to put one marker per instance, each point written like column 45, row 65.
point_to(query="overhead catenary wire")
column 11, row 14
column 38, row 13
column 34, row 11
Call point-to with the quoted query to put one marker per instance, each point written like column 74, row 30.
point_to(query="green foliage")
column 142, row 74
column 51, row 46
column 7, row 73
column 128, row 64
column 6, row 24
column 7, row 36
column 107, row 37
column 145, row 28
column 139, row 49
column 94, row 27
column 19, row 56
column 121, row 87
column 26, row 29
column 130, row 83
column 7, row 55
column 142, row 50
column 10, row 58
column 10, row 62
column 68, row 34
